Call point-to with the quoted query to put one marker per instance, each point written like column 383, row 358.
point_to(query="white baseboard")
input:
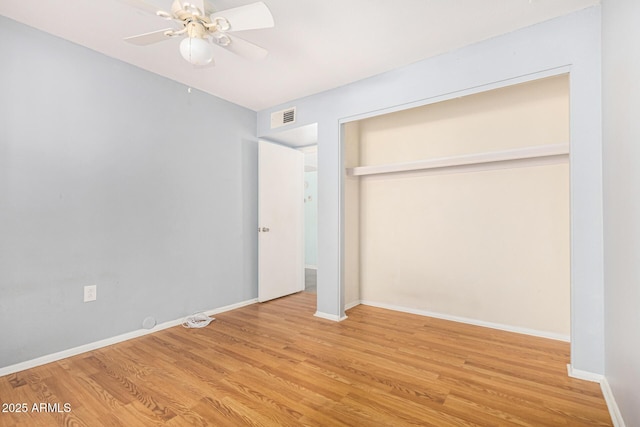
column 584, row 375
column 614, row 411
column 109, row 341
column 508, row 328
column 352, row 304
column 228, row 307
column 311, row 267
column 328, row 316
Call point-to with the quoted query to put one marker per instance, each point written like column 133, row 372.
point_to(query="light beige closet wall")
column 489, row 245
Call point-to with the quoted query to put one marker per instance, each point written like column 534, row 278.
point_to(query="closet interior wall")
column 487, row 244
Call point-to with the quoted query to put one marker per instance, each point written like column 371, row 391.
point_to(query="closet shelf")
column 550, row 151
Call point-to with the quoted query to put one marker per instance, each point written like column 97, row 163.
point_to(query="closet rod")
column 534, row 152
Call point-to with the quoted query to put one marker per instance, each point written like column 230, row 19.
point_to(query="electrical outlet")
column 90, row 293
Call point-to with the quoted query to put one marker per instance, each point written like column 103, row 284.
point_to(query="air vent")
column 284, row 117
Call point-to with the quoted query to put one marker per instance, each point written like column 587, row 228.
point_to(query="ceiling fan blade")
column 196, row 7
column 244, row 48
column 250, row 17
column 149, row 38
column 176, row 7
column 202, row 6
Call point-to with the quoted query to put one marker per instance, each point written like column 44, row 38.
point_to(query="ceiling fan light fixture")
column 196, row 51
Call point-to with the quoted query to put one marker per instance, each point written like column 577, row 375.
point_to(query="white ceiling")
column 316, row 45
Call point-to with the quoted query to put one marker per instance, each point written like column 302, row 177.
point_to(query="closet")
column 460, row 208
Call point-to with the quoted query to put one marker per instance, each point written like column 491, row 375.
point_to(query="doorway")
column 310, row 218
column 304, row 139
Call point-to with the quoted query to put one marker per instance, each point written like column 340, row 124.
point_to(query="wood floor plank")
column 276, row 364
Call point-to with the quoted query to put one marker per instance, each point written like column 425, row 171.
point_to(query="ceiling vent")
column 284, row 117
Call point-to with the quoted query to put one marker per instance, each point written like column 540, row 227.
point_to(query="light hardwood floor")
column 275, row 364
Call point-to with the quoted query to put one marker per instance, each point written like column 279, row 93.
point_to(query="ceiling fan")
column 202, row 28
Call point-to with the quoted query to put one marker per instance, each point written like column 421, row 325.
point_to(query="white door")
column 280, row 221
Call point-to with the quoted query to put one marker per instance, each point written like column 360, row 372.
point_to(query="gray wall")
column 567, row 44
column 113, row 176
column 621, row 103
